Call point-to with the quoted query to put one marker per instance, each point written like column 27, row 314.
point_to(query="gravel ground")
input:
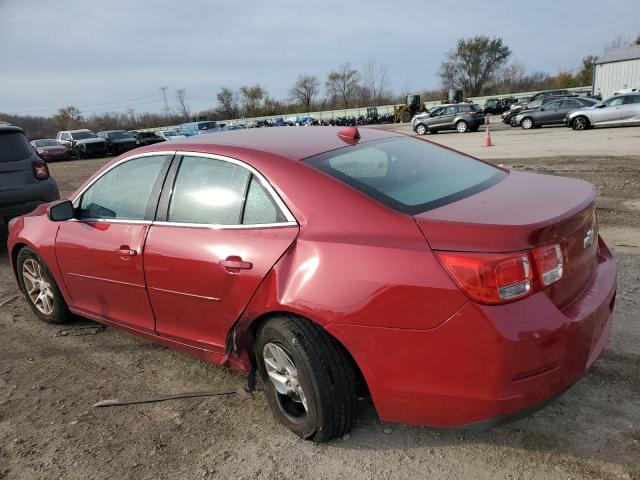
column 48, row 383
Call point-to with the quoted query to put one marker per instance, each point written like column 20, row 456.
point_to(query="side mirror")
column 59, row 212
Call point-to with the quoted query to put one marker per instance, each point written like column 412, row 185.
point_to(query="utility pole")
column 166, row 109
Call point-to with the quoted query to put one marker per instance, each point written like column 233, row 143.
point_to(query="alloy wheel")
column 527, row 123
column 421, row 129
column 284, row 376
column 38, row 286
column 580, row 123
column 461, row 127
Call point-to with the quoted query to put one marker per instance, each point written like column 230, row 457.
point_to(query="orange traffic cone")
column 487, row 134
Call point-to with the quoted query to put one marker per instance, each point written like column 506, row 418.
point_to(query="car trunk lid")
column 522, row 212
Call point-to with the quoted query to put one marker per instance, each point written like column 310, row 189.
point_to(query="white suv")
column 83, row 143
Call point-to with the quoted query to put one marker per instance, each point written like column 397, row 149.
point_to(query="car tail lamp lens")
column 549, row 264
column 40, row 170
column 489, row 277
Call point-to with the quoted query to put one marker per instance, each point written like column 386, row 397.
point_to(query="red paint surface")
column 363, row 271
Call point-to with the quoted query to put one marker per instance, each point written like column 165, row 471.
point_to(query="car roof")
column 10, row 128
column 77, row 131
column 294, row 143
column 112, row 131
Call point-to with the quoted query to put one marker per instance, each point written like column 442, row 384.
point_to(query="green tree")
column 585, row 74
column 68, row 118
column 474, row 64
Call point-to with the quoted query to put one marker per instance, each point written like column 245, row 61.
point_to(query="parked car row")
column 576, row 112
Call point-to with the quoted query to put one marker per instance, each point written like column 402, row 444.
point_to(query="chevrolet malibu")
column 336, row 263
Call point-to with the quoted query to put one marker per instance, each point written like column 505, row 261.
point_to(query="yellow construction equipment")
column 412, row 105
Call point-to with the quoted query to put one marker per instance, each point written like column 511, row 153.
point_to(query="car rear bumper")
column 485, row 362
column 13, row 204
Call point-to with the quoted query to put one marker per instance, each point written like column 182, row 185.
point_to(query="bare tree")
column 228, row 103
column 342, row 83
column 68, row 118
column 181, row 94
column 251, row 99
column 304, row 90
column 376, row 79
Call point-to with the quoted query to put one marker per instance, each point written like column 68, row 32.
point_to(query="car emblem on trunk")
column 588, row 238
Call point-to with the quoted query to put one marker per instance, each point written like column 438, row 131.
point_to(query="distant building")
column 618, row 69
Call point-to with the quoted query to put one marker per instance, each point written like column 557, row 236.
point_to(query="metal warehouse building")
column 619, row 68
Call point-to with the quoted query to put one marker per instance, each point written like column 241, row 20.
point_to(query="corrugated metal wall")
column 611, row 77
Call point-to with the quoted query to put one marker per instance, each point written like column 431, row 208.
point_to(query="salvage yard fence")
column 362, row 111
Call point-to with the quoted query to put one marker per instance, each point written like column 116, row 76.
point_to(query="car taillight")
column 549, row 263
column 490, row 278
column 40, row 170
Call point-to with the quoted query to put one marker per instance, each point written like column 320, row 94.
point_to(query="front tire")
column 308, row 377
column 527, row 123
column 462, row 126
column 40, row 289
column 580, row 123
column 421, row 129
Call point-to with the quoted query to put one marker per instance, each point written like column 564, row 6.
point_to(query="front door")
column 100, row 251
column 221, row 231
column 608, row 112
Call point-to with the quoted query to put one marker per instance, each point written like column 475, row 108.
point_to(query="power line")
column 91, row 105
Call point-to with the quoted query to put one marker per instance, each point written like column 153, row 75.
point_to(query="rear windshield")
column 46, row 143
column 83, row 135
column 407, row 174
column 13, row 146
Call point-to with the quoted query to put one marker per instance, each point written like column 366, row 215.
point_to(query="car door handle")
column 126, row 252
column 234, row 264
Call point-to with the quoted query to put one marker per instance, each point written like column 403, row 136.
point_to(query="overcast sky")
column 115, row 54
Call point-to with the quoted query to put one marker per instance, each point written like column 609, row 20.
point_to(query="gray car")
column 463, row 117
column 618, row 110
column 25, row 182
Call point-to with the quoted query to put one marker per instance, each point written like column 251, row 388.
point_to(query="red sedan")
column 336, row 262
column 49, row 149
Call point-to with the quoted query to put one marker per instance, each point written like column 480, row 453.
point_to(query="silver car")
column 621, row 109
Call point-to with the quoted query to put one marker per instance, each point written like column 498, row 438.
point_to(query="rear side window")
column 407, row 174
column 632, row 99
column 123, row 192
column 14, row 146
column 260, row 207
column 208, row 191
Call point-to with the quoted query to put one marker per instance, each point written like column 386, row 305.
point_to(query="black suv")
column 24, row 177
column 498, row 105
column 463, row 117
column 119, row 141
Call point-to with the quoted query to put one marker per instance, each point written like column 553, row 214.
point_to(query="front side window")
column 612, row 102
column 123, row 192
column 406, row 174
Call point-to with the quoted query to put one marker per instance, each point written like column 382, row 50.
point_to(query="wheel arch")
column 241, row 341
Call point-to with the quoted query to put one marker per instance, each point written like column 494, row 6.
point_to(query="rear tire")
column 40, row 289
column 318, row 400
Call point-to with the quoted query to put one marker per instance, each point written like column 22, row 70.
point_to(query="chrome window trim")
column 263, row 182
column 114, row 220
column 291, row 220
column 219, row 226
column 76, row 199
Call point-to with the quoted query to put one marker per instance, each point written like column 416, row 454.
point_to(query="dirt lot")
column 48, row 383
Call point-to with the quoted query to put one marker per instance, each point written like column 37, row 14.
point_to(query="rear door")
column 631, row 109
column 220, row 229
